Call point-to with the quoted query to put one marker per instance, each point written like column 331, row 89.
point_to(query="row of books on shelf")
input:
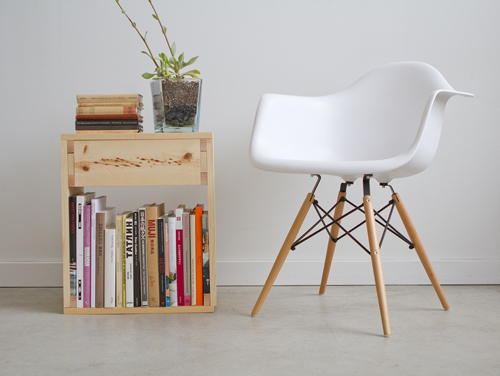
column 141, row 258
column 109, row 113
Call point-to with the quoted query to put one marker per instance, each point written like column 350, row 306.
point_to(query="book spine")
column 179, row 257
column 144, row 257
column 107, row 98
column 87, row 214
column 99, row 260
column 186, row 251
column 199, row 254
column 107, row 110
column 110, row 268
column 152, row 247
column 166, row 247
column 172, row 279
column 119, row 260
column 108, row 117
column 72, row 250
column 129, row 261
column 124, row 263
column 81, row 201
column 116, row 104
column 96, row 126
column 192, row 241
column 137, row 263
column 161, row 261
column 206, row 259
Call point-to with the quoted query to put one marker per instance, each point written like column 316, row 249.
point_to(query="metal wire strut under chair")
column 323, row 214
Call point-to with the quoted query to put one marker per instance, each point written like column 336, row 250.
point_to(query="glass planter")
column 176, row 105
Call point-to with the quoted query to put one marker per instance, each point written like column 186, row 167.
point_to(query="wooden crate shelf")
column 142, row 159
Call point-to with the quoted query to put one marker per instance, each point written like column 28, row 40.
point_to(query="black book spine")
column 143, row 256
column 137, row 265
column 72, row 229
column 161, row 261
column 72, row 244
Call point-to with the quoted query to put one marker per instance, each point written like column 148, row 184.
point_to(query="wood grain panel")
column 137, row 163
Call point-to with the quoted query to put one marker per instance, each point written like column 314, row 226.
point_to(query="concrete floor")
column 297, row 332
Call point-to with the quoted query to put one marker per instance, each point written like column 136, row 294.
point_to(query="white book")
column 120, row 258
column 97, row 204
column 81, row 200
column 172, row 282
column 129, row 261
column 110, row 267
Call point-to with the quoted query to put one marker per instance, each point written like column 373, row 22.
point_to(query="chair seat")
column 386, row 124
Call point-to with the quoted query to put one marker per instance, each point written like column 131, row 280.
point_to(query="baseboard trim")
column 30, row 274
column 353, row 272
column 242, row 273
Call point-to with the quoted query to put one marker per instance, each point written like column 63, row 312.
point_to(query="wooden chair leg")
column 285, row 249
column 422, row 255
column 331, row 244
column 376, row 263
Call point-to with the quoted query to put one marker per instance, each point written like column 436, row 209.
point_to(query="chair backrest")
column 392, row 111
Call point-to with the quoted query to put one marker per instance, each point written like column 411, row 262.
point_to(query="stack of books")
column 147, row 257
column 109, row 113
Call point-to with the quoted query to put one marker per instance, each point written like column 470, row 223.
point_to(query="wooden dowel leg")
column 422, row 255
column 331, row 244
column 376, row 263
column 285, row 249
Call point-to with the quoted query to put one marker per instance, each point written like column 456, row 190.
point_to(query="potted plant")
column 176, row 93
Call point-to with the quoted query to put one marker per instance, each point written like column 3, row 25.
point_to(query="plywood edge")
column 138, row 136
column 138, row 310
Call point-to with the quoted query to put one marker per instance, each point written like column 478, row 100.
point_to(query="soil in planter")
column 180, row 100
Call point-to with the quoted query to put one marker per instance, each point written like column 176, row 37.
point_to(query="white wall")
column 52, row 50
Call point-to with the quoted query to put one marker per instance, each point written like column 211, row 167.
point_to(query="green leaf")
column 181, row 59
column 193, row 73
column 164, row 30
column 191, row 61
column 156, row 17
column 147, row 76
column 145, row 53
column 173, row 49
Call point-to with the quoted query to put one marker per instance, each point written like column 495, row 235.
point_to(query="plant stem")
column 162, row 29
column 138, row 32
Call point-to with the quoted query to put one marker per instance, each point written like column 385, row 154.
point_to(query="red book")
column 198, row 213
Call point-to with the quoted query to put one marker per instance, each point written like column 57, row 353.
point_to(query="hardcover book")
column 97, row 204
column 120, row 258
column 186, row 251
column 81, row 200
column 110, row 266
column 198, row 229
column 137, row 262
column 143, row 253
column 152, row 213
column 206, row 266
column 104, row 218
column 72, row 250
column 108, row 110
column 129, row 261
column 160, row 225
column 179, row 254
column 87, row 214
column 172, row 279
column 107, row 98
column 192, row 241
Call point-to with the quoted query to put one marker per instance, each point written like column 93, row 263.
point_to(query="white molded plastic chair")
column 386, row 125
